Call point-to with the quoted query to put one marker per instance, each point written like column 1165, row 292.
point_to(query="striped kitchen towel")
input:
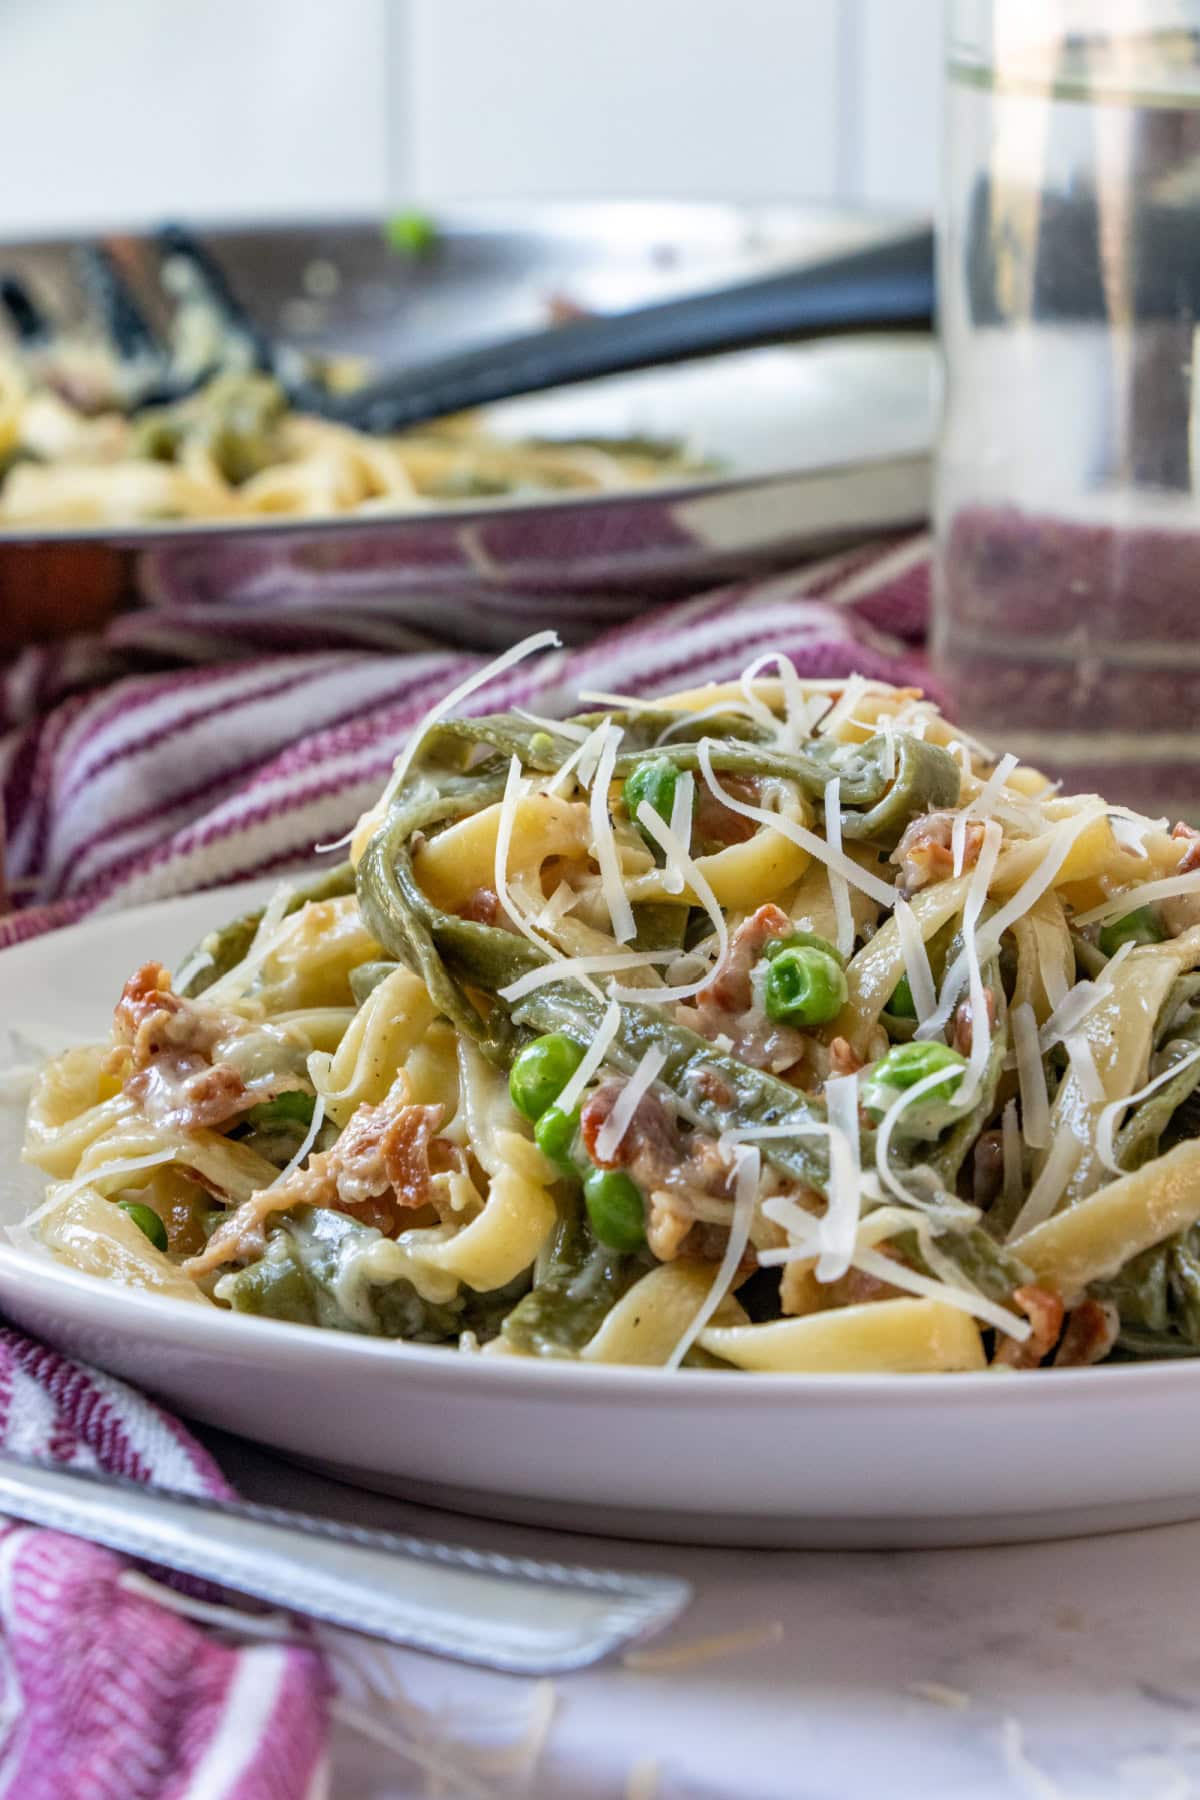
column 106, row 1693
column 200, row 743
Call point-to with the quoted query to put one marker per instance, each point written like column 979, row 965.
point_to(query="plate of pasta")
column 761, row 1112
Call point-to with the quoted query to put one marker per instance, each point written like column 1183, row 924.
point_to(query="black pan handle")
column 889, row 287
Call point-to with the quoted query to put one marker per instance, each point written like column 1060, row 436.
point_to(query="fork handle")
column 512, row 1613
column 889, row 287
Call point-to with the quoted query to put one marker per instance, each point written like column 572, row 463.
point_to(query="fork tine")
column 125, row 324
column 177, row 244
column 31, row 325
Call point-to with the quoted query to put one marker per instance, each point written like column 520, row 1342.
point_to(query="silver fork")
column 519, row 1614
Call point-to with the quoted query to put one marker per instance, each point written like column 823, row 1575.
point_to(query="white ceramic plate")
column 708, row 1457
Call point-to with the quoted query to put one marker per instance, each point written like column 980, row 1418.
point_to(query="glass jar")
column 1068, row 523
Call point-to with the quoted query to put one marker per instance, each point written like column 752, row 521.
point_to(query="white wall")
column 127, row 109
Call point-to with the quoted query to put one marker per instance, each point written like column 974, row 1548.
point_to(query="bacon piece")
column 671, row 1169
column 924, row 853
column 163, row 1047
column 962, row 1036
column 1044, row 1311
column 727, row 1006
column 1090, row 1334
column 716, row 825
column 376, row 1171
column 987, row 1169
column 844, row 1058
column 1190, row 859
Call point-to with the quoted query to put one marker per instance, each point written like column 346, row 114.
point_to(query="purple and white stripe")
column 267, row 729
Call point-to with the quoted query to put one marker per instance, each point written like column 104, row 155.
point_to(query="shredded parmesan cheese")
column 841, row 864
column 310, row 1138
column 937, row 1078
column 701, row 1650
column 604, row 844
column 1083, row 1067
column 977, row 892
column 630, row 1098
column 1145, row 895
column 540, row 640
column 190, row 968
column 681, row 830
column 747, row 1167
column 980, row 808
column 963, row 1299
column 574, row 968
column 1047, row 1190
column 1058, row 845
column 564, row 728
column 838, row 886
column 677, row 853
column 1031, row 1076
column 270, row 927
column 581, row 764
column 596, row 1052
column 1107, row 1122
column 839, row 1227
column 1010, row 1139
column 916, row 960
column 122, row 1165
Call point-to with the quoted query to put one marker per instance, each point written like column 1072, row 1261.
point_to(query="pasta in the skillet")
column 774, row 1026
column 236, row 450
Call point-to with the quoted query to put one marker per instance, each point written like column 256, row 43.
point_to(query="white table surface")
column 1061, row 1671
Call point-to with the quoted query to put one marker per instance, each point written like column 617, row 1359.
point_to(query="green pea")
column 616, row 1209
column 411, row 233
column 906, row 1064
column 291, row 1108
column 654, row 781
column 804, row 987
column 147, row 1222
column 902, row 1005
column 802, row 940
column 1139, row 927
column 555, row 1134
column 542, row 1071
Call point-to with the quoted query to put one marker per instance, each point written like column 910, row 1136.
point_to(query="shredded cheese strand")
column 1010, row 1138
column 575, row 967
column 310, row 1138
column 980, row 808
column 565, row 728
column 898, row 1274
column 838, row 886
column 612, row 881
column 515, row 789
column 840, row 1223
column 667, row 841
column 1047, row 1190
column 747, row 1167
column 977, row 893
column 1132, row 898
column 887, row 1125
column 1058, row 846
column 540, row 640
column 1106, row 1123
column 595, row 1054
column 613, row 1130
column 235, row 981
column 681, row 829
column 581, row 764
column 869, row 884
column 916, row 960
column 1031, row 1076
